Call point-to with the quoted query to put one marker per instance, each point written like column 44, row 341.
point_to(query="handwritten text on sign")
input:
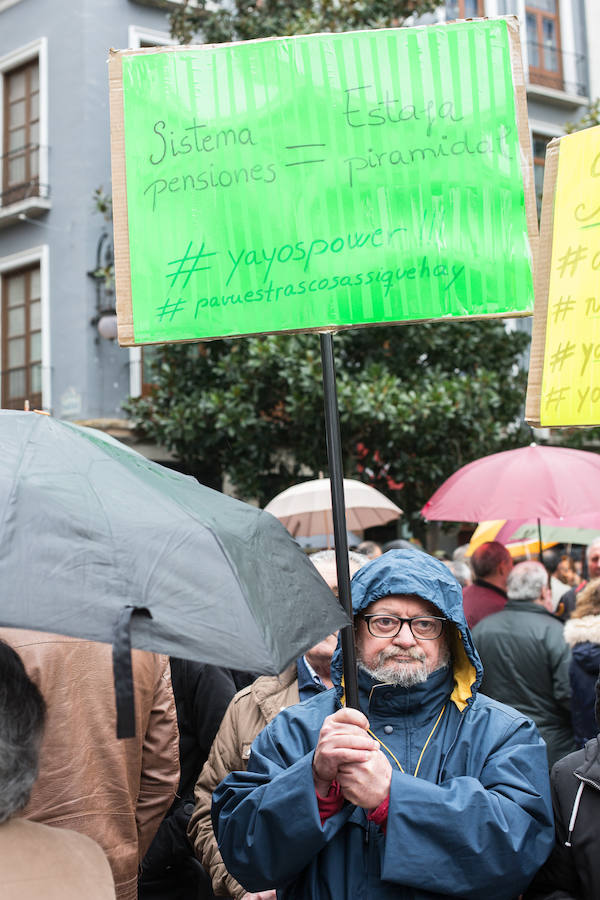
column 324, row 180
column 571, row 374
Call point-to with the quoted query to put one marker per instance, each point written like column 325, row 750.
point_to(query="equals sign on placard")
column 311, row 151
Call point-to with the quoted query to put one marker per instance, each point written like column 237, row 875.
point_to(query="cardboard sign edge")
column 119, row 194
column 540, row 313
column 333, row 329
column 522, row 117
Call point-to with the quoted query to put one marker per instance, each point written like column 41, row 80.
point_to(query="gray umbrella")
column 91, row 532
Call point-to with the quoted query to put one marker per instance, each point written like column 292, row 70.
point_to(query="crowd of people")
column 470, row 770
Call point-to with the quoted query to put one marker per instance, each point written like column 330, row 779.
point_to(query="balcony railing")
column 18, row 389
column 562, row 70
column 18, row 179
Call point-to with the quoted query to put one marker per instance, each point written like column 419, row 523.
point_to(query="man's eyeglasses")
column 425, row 628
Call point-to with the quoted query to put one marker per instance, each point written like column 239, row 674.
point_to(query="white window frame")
column 20, row 260
column 567, row 41
column 135, row 371
column 37, row 49
column 489, row 10
column 136, row 35
column 546, row 129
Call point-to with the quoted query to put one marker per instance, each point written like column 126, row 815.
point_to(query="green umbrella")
column 561, row 534
column 92, row 533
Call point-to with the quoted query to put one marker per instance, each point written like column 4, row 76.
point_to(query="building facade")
column 56, row 291
column 57, row 295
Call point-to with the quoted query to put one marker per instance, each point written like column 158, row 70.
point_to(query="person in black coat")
column 572, row 872
column 202, row 692
column 582, row 634
column 525, row 658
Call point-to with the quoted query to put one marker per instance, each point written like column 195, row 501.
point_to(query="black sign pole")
column 336, row 478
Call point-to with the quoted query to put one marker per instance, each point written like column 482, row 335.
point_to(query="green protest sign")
column 321, row 181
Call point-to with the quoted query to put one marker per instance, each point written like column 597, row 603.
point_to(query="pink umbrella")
column 532, row 482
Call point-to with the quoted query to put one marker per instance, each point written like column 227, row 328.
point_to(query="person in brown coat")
column 114, row 791
column 37, row 861
column 248, row 713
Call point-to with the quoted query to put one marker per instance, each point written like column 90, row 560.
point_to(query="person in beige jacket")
column 37, row 861
column 114, row 791
column 248, row 713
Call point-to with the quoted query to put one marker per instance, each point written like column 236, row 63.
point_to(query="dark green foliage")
column 245, row 20
column 589, row 119
column 416, row 402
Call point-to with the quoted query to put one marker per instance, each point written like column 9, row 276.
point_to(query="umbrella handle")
column 123, row 670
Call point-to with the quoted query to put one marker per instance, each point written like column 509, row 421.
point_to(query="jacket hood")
column 582, row 630
column 416, row 572
column 587, row 657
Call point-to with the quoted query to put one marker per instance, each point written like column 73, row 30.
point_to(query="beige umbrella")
column 305, row 509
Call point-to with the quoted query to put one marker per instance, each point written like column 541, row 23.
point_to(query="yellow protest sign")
column 564, row 376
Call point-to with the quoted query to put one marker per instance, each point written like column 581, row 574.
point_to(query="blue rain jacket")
column 476, row 822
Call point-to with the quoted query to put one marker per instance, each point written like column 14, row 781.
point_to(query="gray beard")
column 408, row 674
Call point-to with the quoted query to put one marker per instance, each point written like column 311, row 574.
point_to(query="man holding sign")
column 429, row 790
